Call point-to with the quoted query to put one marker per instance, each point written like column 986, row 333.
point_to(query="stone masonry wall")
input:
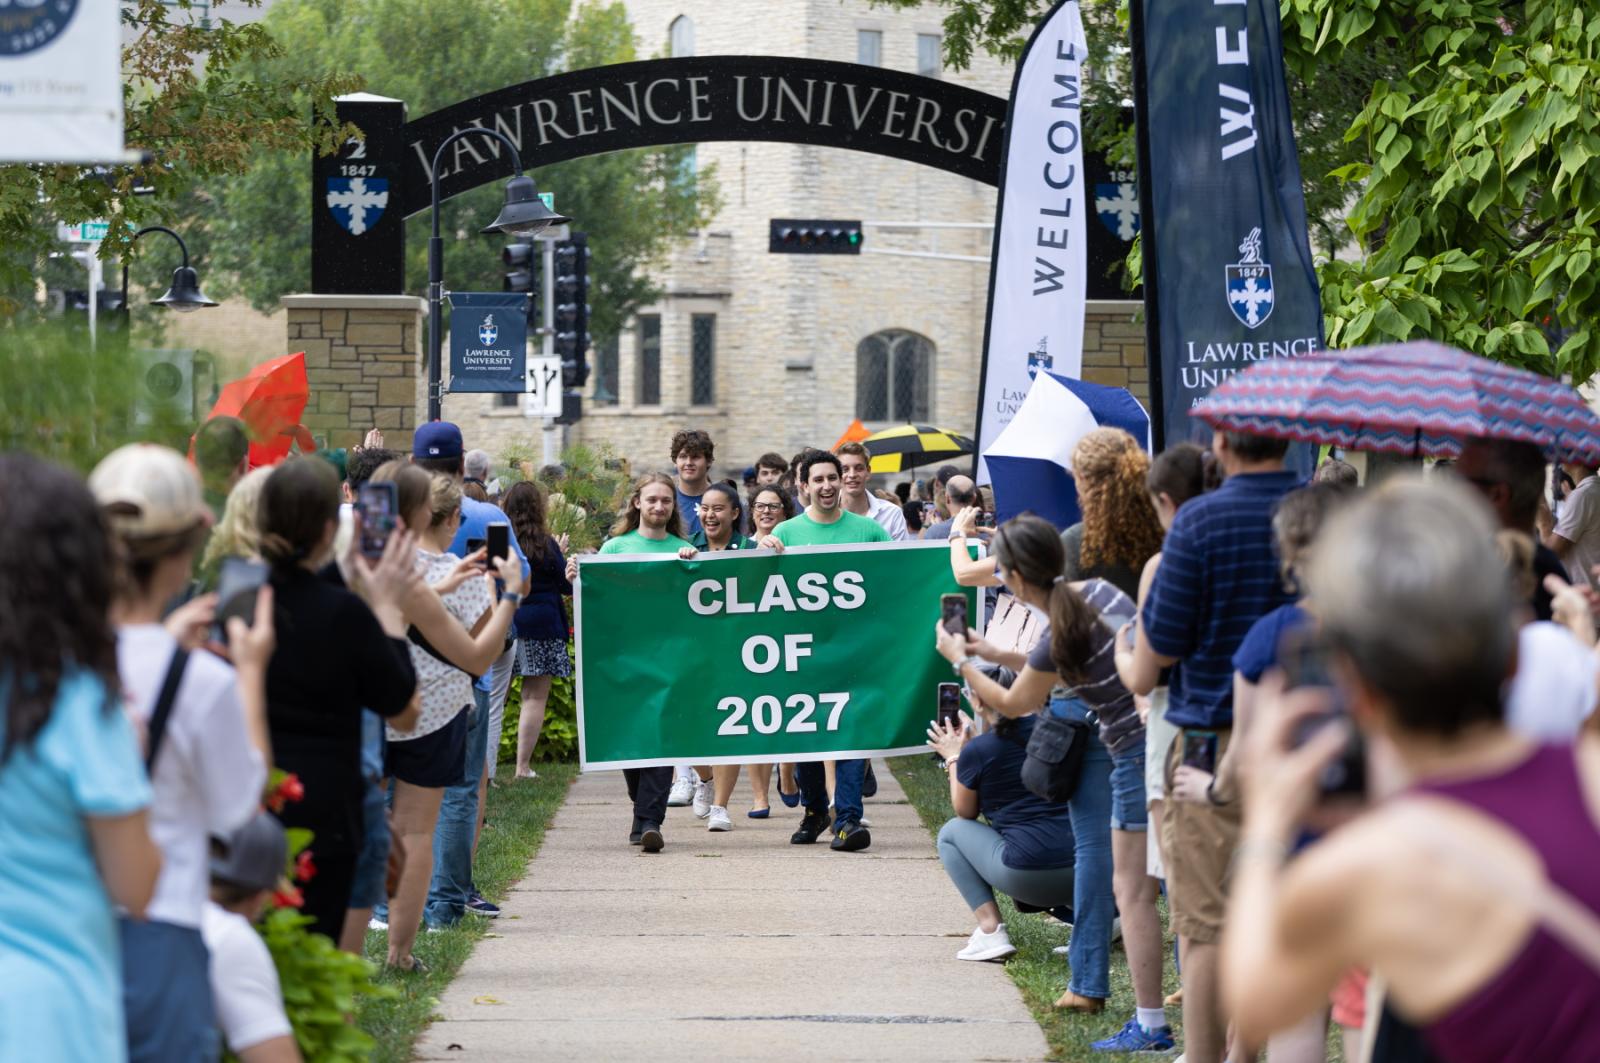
column 363, row 360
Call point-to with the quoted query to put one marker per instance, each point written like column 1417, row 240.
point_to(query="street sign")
column 83, row 232
column 544, row 384
column 548, row 199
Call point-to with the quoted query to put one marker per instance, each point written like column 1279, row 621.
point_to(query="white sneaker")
column 681, row 794
column 718, row 819
column 1116, row 935
column 375, row 923
column 702, row 798
column 981, row 946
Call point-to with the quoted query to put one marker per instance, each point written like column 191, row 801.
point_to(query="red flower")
column 287, row 898
column 304, row 869
column 291, row 788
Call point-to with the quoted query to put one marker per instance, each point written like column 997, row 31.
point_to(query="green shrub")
column 320, row 987
column 594, row 485
column 558, row 739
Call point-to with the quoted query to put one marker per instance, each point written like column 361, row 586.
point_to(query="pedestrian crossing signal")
column 810, row 236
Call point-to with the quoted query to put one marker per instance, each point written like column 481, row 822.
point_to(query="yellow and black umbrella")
column 907, row 446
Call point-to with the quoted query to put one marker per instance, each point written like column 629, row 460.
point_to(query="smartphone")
column 930, row 513
column 378, row 504
column 1200, row 750
column 953, row 613
column 1304, row 659
column 237, row 588
column 950, row 704
column 986, row 520
column 499, row 541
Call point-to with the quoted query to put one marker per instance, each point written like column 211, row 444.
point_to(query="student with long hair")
column 1120, row 530
column 1106, row 820
column 541, row 623
column 336, row 654
column 74, row 840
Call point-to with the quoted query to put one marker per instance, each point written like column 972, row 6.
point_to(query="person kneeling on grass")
column 245, row 868
column 1025, row 850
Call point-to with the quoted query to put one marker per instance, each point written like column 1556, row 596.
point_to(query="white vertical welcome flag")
column 1038, row 273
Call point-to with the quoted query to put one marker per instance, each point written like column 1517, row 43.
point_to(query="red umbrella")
column 1404, row 398
column 270, row 400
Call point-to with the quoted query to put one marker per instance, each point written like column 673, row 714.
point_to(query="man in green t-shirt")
column 650, row 526
column 825, row 522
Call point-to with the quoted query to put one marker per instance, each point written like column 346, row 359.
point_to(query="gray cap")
column 253, row 856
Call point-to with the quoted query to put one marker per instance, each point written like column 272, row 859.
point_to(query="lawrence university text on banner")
column 819, row 653
column 488, row 341
column 1227, row 262
column 1037, row 275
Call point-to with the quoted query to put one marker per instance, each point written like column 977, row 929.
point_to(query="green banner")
column 821, row 653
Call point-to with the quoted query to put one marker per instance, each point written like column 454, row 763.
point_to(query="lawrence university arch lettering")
column 362, row 195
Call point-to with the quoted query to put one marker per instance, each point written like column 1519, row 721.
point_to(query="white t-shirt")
column 244, row 981
column 1554, row 688
column 891, row 516
column 445, row 689
column 1579, row 524
column 208, row 776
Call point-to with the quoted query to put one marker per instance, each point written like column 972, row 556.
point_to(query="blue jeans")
column 848, row 776
column 1129, row 809
column 1094, row 904
column 457, row 828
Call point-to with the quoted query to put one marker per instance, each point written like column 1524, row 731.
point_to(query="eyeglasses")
column 769, row 507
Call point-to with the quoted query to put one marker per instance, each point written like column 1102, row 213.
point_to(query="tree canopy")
column 433, row 53
column 1446, row 150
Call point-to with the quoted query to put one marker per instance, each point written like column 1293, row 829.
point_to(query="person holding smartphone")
column 207, row 755
column 1025, row 850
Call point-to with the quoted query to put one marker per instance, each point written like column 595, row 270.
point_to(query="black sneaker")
column 850, row 838
column 651, row 840
column 869, row 784
column 478, row 906
column 812, row 827
column 636, row 838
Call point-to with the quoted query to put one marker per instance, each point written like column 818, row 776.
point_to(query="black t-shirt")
column 1038, row 835
column 1545, row 563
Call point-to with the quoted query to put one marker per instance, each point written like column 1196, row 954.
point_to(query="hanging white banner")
column 1038, row 272
column 61, row 81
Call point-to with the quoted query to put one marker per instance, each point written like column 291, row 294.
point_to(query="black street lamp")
column 524, row 214
column 185, row 294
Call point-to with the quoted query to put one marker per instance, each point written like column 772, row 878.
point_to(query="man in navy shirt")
column 692, row 454
column 1219, row 574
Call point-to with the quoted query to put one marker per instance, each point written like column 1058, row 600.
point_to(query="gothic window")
column 702, row 359
column 680, row 37
column 647, row 387
column 894, row 375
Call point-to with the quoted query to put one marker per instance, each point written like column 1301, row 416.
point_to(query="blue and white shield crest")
column 488, row 332
column 1038, row 360
column 1250, row 293
column 1118, row 207
column 357, row 203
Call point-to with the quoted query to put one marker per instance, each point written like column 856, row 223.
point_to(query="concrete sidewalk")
column 735, row 946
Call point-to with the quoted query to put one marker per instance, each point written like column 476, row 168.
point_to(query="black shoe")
column 850, row 838
column 869, row 784
column 651, row 839
column 636, row 838
column 812, row 827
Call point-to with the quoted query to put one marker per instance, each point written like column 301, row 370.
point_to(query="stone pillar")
column 1113, row 348
column 363, row 358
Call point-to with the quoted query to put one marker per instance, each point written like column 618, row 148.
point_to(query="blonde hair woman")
column 237, row 534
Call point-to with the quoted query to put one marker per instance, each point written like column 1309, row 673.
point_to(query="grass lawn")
column 1038, row 973
column 519, row 811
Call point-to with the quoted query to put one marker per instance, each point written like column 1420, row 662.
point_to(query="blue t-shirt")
column 1218, row 575
column 689, row 513
column 60, row 969
column 1258, row 653
column 1038, row 835
column 475, row 520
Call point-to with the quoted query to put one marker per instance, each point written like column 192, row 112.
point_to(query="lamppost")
column 524, row 214
column 185, row 295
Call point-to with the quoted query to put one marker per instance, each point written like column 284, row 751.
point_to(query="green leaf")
column 1578, row 264
column 1391, row 321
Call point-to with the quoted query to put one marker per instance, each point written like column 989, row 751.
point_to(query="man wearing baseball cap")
column 438, row 447
column 246, row 868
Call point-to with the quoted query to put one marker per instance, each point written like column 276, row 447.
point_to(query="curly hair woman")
column 1119, row 531
column 72, row 778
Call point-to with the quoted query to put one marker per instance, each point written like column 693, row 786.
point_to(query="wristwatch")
column 513, row 597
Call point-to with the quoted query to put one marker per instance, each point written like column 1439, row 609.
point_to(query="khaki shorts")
column 1199, row 840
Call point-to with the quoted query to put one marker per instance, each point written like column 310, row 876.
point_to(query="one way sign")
column 544, row 384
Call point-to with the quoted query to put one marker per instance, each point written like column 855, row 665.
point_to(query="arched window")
column 894, row 375
column 680, row 37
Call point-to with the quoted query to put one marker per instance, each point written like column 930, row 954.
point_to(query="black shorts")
column 435, row 760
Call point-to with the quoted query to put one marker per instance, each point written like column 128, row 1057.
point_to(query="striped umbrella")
column 907, row 446
column 1417, row 399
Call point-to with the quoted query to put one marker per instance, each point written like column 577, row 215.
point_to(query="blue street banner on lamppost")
column 488, row 341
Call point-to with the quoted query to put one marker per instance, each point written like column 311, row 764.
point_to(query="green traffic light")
column 854, row 238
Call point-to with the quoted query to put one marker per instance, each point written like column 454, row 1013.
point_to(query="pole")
column 552, row 431
column 1147, row 228
column 436, row 267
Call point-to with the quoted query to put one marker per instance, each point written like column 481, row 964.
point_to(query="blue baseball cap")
column 437, row 439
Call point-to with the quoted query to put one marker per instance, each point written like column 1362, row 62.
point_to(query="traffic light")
column 572, row 310
column 521, row 260
column 810, row 236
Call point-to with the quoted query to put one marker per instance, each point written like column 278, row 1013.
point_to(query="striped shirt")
column 1218, row 576
column 1101, row 689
